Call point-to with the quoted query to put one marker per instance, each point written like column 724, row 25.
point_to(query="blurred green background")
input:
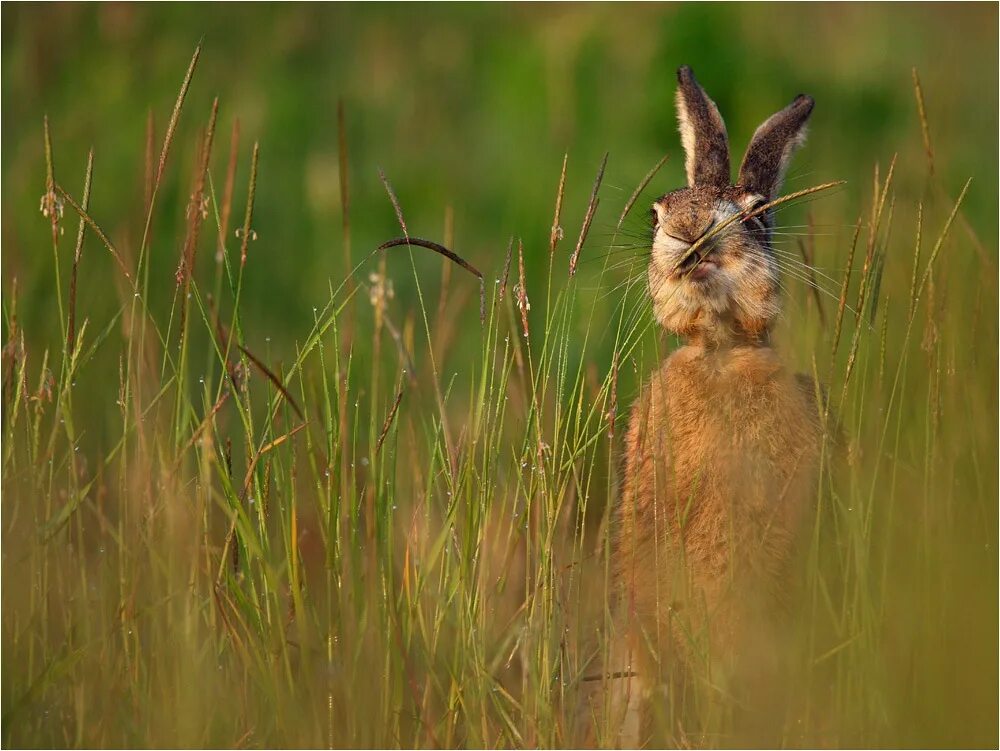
column 461, row 105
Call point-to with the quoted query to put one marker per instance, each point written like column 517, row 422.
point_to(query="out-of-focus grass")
column 188, row 561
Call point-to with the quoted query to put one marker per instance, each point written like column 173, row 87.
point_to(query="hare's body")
column 721, row 454
column 722, row 449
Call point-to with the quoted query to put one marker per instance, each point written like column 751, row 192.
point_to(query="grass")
column 398, row 534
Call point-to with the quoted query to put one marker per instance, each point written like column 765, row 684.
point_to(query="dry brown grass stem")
column 452, row 256
column 613, row 400
column 196, row 213
column 522, row 293
column 224, row 341
column 148, row 177
column 175, row 116
column 813, row 285
column 884, row 334
column 630, row 203
column 247, row 480
column 77, row 252
column 449, row 240
column 273, row 379
column 925, row 130
column 556, row 233
column 440, row 249
column 201, row 428
column 506, row 270
column 842, row 302
column 916, row 260
column 227, row 191
column 395, row 202
column 401, row 349
column 610, row 676
column 281, row 439
column 49, row 200
column 878, row 206
column 588, row 217
column 387, row 423
column 436, row 247
column 941, row 238
column 96, row 229
column 248, row 216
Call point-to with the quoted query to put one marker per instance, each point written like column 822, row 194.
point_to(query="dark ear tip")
column 804, row 102
column 684, row 73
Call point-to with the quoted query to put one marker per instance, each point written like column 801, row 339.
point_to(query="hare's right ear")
column 771, row 147
column 703, row 133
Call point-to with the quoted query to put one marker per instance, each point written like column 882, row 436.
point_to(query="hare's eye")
column 756, row 221
column 653, row 217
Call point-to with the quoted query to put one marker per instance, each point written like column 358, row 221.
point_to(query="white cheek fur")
column 666, row 250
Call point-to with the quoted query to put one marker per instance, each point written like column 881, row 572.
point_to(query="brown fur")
column 721, row 458
column 703, row 133
column 722, row 449
column 771, row 147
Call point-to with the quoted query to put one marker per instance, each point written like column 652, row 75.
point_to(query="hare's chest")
column 737, row 433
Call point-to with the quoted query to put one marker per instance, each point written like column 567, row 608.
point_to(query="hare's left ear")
column 703, row 133
column 771, row 148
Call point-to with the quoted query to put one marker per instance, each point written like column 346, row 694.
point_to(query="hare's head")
column 713, row 272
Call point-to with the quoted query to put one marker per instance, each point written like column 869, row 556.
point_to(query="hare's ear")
column 771, row 148
column 703, row 133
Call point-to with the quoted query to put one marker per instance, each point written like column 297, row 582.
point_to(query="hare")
column 722, row 448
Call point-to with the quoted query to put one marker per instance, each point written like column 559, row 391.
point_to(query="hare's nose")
column 688, row 231
column 683, row 231
column 684, row 234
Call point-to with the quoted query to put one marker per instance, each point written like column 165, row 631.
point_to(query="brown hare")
column 721, row 452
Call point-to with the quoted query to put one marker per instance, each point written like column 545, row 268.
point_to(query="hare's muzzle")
column 699, row 264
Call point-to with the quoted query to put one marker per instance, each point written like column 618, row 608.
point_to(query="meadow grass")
column 377, row 544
